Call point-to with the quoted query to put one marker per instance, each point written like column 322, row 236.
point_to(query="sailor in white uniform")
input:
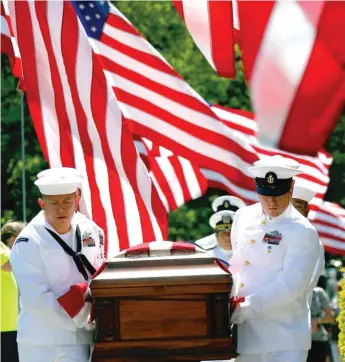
column 53, row 260
column 218, row 244
column 275, row 251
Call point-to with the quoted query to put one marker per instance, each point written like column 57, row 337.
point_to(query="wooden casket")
column 162, row 303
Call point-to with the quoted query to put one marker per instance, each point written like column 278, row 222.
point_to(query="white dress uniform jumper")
column 53, row 272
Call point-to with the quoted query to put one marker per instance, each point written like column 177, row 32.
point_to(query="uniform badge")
column 272, row 238
column 88, row 240
column 269, row 249
column 271, row 178
column 226, row 204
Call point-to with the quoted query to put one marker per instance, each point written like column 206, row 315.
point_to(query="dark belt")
column 80, row 259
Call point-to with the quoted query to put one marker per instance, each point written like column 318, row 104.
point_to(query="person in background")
column 218, row 244
column 9, row 294
column 54, row 259
column 10, row 231
column 321, row 314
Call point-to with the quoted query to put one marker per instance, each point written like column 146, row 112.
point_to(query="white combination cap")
column 230, row 203
column 282, row 167
column 58, row 182
column 302, row 193
column 222, row 220
column 273, row 175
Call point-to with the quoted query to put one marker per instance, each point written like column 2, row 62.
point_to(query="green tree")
column 11, row 161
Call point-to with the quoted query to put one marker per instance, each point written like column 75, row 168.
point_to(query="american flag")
column 176, row 107
column 79, row 124
column 242, row 124
column 162, row 107
column 298, row 94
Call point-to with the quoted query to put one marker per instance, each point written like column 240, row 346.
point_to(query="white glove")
column 237, row 317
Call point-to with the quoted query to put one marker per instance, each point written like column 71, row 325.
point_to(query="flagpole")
column 22, row 132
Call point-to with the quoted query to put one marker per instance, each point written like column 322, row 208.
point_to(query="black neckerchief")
column 80, row 259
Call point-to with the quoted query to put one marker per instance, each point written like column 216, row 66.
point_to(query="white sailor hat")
column 58, row 182
column 302, row 193
column 61, row 171
column 273, row 175
column 222, row 220
column 230, row 203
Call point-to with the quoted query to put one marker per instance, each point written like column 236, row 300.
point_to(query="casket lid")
column 149, row 264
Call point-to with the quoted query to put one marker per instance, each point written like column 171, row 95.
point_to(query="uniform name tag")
column 272, row 238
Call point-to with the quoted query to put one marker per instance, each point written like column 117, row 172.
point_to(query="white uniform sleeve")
column 34, row 287
column 320, row 265
column 294, row 279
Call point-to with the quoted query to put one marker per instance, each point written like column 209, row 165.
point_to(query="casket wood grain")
column 162, row 309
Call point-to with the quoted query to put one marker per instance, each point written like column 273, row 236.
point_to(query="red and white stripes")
column 315, row 169
column 162, row 107
column 176, row 179
column 329, row 221
column 79, row 124
column 293, row 54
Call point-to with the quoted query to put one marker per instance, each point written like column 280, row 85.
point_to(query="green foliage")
column 11, row 160
column 160, row 24
column 341, row 321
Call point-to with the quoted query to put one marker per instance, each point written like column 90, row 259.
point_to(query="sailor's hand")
column 237, row 317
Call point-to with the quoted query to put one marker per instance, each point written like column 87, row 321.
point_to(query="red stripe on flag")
column 179, row 7
column 145, row 58
column 66, row 144
column 120, row 23
column 221, row 27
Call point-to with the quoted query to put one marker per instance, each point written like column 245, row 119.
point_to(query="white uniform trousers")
column 46, row 353
column 283, row 356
